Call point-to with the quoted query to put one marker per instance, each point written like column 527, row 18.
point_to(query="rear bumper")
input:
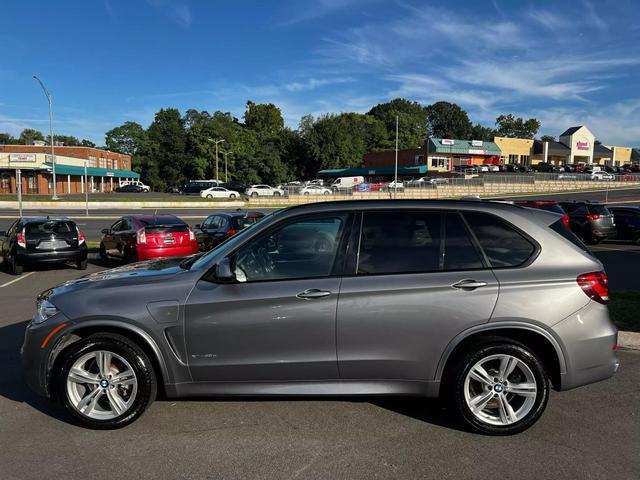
column 24, row 257
column 589, row 340
column 181, row 251
column 603, row 232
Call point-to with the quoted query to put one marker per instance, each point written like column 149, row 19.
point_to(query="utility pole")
column 86, row 190
column 395, row 180
column 226, row 171
column 53, row 155
column 19, row 185
column 216, row 142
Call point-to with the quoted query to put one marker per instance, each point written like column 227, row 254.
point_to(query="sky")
column 105, row 62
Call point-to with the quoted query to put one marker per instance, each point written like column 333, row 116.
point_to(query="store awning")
column 462, row 147
column 368, row 172
column 92, row 171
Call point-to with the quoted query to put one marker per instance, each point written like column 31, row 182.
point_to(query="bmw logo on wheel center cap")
column 498, row 387
column 104, row 383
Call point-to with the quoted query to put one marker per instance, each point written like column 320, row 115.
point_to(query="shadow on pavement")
column 12, row 382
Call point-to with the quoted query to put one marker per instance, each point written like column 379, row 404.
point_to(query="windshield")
column 204, row 259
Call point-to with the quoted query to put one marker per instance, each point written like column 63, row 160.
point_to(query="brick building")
column 105, row 169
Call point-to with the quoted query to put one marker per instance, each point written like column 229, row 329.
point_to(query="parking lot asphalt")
column 591, row 432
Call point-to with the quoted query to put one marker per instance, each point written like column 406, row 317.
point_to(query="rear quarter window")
column 560, row 228
column 503, row 245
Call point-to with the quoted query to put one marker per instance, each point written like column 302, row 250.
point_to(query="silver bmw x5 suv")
column 480, row 303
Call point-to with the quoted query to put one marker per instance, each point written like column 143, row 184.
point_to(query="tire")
column 494, row 417
column 209, row 196
column 81, row 264
column 134, row 396
column 254, row 194
column 15, row 267
column 306, row 193
column 277, row 194
column 103, row 252
column 327, row 193
column 233, row 195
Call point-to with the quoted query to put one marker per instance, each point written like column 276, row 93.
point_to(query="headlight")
column 44, row 310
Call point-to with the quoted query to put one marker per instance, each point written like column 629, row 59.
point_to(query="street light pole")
column 53, row 155
column 395, row 180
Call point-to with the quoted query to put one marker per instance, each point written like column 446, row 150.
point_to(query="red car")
column 134, row 238
column 546, row 205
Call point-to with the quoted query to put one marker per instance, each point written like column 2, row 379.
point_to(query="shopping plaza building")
column 576, row 145
column 105, row 169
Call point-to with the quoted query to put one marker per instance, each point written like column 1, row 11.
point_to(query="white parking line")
column 22, row 277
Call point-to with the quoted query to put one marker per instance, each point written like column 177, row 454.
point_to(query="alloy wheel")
column 101, row 385
column 500, row 389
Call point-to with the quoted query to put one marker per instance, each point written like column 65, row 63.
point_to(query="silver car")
column 483, row 304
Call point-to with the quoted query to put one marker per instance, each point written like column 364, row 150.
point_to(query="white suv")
column 146, row 188
column 263, row 191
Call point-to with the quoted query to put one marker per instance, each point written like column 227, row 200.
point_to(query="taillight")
column 231, row 232
column 592, row 216
column 565, row 220
column 141, row 236
column 80, row 236
column 595, row 285
column 20, row 239
column 192, row 236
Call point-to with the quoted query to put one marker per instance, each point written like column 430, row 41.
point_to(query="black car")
column 43, row 240
column 195, row 187
column 627, row 223
column 235, row 185
column 130, row 189
column 591, row 222
column 220, row 226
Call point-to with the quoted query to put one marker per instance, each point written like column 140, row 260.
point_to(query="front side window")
column 306, row 248
column 502, row 244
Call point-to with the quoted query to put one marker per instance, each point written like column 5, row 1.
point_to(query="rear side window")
column 399, row 242
column 459, row 251
column 238, row 223
column 49, row 227
column 561, row 229
column 577, row 208
column 503, row 245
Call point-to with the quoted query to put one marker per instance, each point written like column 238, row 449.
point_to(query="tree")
column 8, row 139
column 448, row 120
column 548, row 138
column 264, row 119
column 29, row 135
column 129, row 138
column 480, row 132
column 412, row 124
column 164, row 157
column 516, row 127
column 87, row 143
column 66, row 140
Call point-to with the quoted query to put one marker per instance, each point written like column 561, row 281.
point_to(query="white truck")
column 346, row 183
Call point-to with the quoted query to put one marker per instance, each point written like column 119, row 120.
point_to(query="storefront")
column 444, row 154
column 104, row 169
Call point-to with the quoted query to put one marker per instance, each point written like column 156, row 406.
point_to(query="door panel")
column 262, row 331
column 397, row 326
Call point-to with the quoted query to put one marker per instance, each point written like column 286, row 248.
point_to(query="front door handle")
column 469, row 284
column 311, row 293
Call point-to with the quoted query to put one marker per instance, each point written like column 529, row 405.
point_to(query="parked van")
column 346, row 183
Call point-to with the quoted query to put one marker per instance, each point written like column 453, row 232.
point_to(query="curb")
column 629, row 340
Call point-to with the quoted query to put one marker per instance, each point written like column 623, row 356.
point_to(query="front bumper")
column 35, row 354
column 589, row 343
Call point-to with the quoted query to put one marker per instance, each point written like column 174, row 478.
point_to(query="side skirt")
column 302, row 388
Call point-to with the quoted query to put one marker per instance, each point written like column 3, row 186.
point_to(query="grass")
column 624, row 307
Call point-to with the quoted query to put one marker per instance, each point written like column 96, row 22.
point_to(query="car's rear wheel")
column 233, row 195
column 105, row 381
column 254, row 194
column 15, row 267
column 500, row 388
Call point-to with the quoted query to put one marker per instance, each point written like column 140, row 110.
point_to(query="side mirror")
column 105, row 231
column 224, row 272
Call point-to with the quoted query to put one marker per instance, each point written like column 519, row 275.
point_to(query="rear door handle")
column 469, row 284
column 312, row 293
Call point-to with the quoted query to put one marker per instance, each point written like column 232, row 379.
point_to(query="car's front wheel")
column 105, row 381
column 500, row 388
